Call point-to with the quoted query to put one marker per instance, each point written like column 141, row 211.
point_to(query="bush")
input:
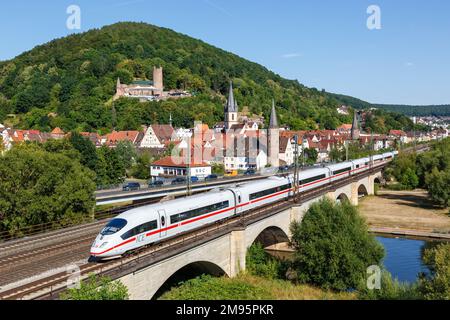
column 391, row 289
column 260, row 263
column 97, row 289
column 333, row 246
column 437, row 285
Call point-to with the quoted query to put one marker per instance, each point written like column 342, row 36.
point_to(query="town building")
column 157, row 136
column 170, row 167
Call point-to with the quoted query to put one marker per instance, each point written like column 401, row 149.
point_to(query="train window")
column 113, row 227
column 198, row 212
column 341, row 171
column 239, row 199
column 267, row 192
column 145, row 227
column 309, row 180
column 163, row 221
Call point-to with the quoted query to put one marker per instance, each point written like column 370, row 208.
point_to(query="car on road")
column 249, row 172
column 211, row 177
column 178, row 181
column 131, row 186
column 155, row 184
column 194, row 179
column 284, row 168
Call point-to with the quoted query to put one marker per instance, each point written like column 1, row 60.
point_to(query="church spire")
column 355, row 127
column 273, row 117
column 231, row 103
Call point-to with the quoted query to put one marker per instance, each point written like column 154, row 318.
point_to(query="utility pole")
column 346, row 150
column 296, row 166
column 188, row 166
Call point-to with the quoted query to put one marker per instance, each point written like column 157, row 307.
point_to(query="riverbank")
column 405, row 213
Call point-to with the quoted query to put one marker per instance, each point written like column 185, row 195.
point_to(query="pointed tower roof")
column 273, row 117
column 231, row 105
column 355, row 126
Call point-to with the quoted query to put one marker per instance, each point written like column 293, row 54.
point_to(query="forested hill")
column 69, row 83
column 420, row 111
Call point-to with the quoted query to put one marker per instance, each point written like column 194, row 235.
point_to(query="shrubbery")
column 333, row 246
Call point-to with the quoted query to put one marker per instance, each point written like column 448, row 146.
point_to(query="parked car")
column 211, row 177
column 155, row 184
column 178, row 181
column 284, row 168
column 131, row 186
column 249, row 172
column 194, row 179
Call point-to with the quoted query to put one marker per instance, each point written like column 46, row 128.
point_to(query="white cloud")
column 291, row 55
column 409, row 64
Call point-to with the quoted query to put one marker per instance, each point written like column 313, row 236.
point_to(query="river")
column 403, row 257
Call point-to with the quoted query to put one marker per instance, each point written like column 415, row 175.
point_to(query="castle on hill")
column 146, row 90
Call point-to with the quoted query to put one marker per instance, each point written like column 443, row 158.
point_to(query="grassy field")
column 406, row 210
column 247, row 287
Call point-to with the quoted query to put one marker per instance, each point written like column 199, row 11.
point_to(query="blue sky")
column 322, row 43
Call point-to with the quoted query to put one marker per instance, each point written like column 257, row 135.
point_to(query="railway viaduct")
column 225, row 253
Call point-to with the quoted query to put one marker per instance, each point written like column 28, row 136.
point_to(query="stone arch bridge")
column 225, row 254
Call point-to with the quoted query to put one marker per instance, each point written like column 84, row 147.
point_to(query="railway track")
column 50, row 287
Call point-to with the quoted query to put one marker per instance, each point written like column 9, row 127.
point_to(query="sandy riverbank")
column 405, row 210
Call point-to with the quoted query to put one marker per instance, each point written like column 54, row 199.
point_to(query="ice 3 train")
column 154, row 223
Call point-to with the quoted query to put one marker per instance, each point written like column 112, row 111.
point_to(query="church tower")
column 355, row 133
column 231, row 110
column 273, row 139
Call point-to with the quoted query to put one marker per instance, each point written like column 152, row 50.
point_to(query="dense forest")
column 69, row 83
column 408, row 110
column 419, row 111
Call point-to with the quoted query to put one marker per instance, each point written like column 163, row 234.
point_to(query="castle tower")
column 120, row 91
column 158, row 79
column 355, row 133
column 231, row 109
column 273, row 139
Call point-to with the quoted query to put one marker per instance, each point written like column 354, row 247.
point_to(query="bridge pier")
column 238, row 252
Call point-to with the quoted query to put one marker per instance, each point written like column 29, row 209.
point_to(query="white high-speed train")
column 153, row 223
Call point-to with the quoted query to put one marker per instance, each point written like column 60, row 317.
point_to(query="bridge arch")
column 270, row 236
column 187, row 272
column 362, row 190
column 342, row 197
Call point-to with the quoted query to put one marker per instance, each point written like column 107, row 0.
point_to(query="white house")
column 176, row 167
column 157, row 136
column 286, row 150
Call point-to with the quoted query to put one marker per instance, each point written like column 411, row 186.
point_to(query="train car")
column 149, row 224
column 153, row 223
column 263, row 192
column 360, row 165
column 377, row 159
column 340, row 170
column 313, row 178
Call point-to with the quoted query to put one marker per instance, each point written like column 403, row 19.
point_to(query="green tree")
column 98, row 289
column 333, row 247
column 126, row 152
column 437, row 285
column 141, row 169
column 438, row 183
column 86, row 148
column 409, row 179
column 38, row 187
column 311, row 156
column 260, row 263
